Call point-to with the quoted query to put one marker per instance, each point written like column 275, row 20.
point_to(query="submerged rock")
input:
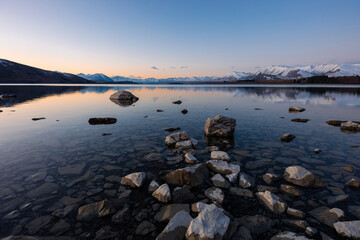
column 100, row 121
column 349, row 229
column 272, row 202
column 211, row 223
column 7, row 95
column 220, row 126
column 134, row 179
column 296, row 109
column 172, row 129
column 38, row 223
column 302, row 120
column 287, row 137
column 176, row 228
column 301, row 177
column 193, row 176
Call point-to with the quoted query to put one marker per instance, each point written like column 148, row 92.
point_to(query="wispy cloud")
column 154, row 67
column 173, row 67
column 183, row 67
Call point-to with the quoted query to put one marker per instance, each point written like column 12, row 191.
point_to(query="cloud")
column 154, row 67
column 183, row 67
column 173, row 67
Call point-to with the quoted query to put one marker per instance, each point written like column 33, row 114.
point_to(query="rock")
column 326, row 215
column 349, row 169
column 162, row 193
column 291, row 190
column 232, row 177
column 215, row 194
column 296, row 224
column 289, row 236
column 220, row 126
column 223, row 167
column 37, row 177
column 353, row 183
column 349, row 229
column 336, row 199
column 38, row 118
column 218, row 181
column 75, row 169
column 7, row 95
column 301, row 177
column 269, row 178
column 287, row 137
column 177, row 102
column 174, row 160
column 272, row 202
column 189, row 158
column 295, row 213
column 193, row 176
column 317, row 150
column 198, row 206
column 296, row 109
column 195, row 143
column 311, row 232
column 134, row 179
column 335, row 123
column 106, row 134
column 241, row 192
column 60, row 227
column 302, row 120
column 159, row 110
column 257, row 224
column 173, row 138
column 350, row 126
column 123, row 98
column 43, row 189
column 262, row 188
column 354, row 210
column 35, row 225
column 101, row 121
column 183, row 195
column 153, row 186
column 245, row 181
column 184, row 111
column 172, row 129
column 176, row 228
column 66, row 200
column 122, row 216
column 220, row 155
column 105, row 233
column 144, row 228
column 93, row 210
column 184, row 144
column 167, row 212
column 211, row 223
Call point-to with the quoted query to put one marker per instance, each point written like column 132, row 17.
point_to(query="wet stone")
column 241, row 192
column 291, row 190
column 215, row 194
column 245, row 181
column 218, row 181
column 349, row 229
column 272, row 202
column 144, row 228
column 75, row 169
column 35, row 225
column 168, row 211
column 269, row 178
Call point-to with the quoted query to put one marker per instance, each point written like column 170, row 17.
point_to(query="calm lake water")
column 66, row 139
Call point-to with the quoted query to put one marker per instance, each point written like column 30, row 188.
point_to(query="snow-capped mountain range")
column 265, row 73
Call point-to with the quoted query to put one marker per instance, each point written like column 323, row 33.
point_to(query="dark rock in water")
column 159, row 110
column 257, row 224
column 146, row 116
column 225, row 144
column 4, row 96
column 106, row 233
column 121, row 216
column 144, row 228
column 287, row 137
column 35, row 225
column 123, row 98
column 349, row 169
column 355, row 146
column 327, row 216
column 176, row 228
column 353, row 184
column 303, row 120
column 183, row 195
column 37, row 119
column 98, row 121
column 296, row 109
column 317, row 150
column 43, row 189
column 193, row 176
column 172, row 129
column 93, row 210
column 1, row 110
column 258, row 109
column 106, row 134
column 167, row 212
column 177, row 102
column 60, row 227
column 184, row 111
column 337, row 123
column 350, row 126
column 348, row 229
column 220, row 126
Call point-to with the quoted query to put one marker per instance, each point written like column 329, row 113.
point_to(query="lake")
column 76, row 164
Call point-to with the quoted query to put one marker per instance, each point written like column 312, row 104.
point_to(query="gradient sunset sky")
column 177, row 38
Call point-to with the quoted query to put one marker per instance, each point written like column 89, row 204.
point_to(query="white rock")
column 211, row 223
column 189, row 158
column 134, row 179
column 223, row 167
column 218, row 181
column 215, row 194
column 220, row 155
column 350, row 229
column 176, row 228
column 245, row 181
column 299, row 176
column 232, row 177
column 288, row 236
column 350, row 126
column 272, row 202
column 198, row 207
column 184, row 144
column 173, row 138
column 153, row 186
column 162, row 193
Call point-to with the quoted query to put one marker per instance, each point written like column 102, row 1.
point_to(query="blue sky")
column 171, row 38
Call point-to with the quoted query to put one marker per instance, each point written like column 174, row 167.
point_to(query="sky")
column 177, row 38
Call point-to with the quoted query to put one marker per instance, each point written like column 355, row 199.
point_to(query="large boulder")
column 350, row 126
column 272, row 202
column 301, row 177
column 123, row 98
column 211, row 223
column 93, row 210
column 220, row 126
column 176, row 228
column 134, row 179
column 193, row 176
column 350, row 229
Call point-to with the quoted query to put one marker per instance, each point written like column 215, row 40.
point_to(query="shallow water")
column 65, row 138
